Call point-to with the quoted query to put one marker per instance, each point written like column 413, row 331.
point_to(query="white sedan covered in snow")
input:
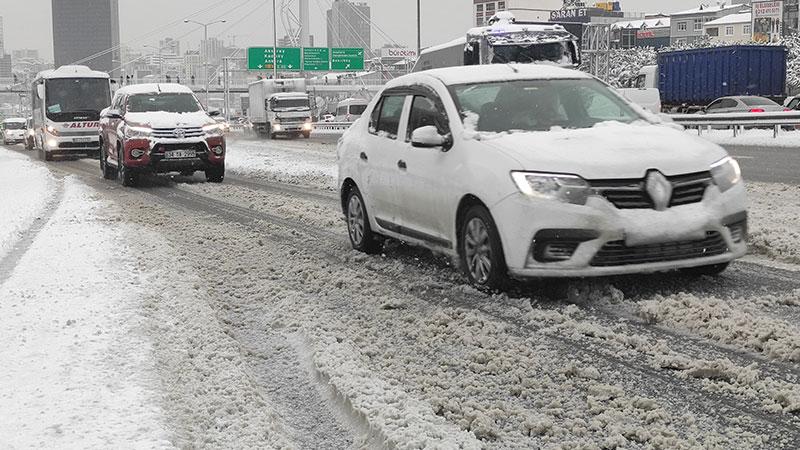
column 536, row 171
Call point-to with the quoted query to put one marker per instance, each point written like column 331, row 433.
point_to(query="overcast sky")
column 28, row 23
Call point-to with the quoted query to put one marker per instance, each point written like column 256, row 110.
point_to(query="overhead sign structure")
column 260, row 58
column 347, row 59
column 306, row 59
column 316, row 58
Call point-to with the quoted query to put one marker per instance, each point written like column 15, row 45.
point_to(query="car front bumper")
column 71, row 145
column 155, row 157
column 552, row 239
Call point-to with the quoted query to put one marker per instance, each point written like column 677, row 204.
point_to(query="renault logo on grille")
column 180, row 133
column 660, row 190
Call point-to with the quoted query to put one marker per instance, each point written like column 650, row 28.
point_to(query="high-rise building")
column 25, row 53
column 2, row 48
column 349, row 25
column 170, row 47
column 211, row 51
column 86, row 31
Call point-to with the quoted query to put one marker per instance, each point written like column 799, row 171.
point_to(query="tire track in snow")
column 719, row 406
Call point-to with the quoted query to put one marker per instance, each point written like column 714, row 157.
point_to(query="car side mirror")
column 214, row 113
column 429, row 137
column 40, row 90
column 113, row 114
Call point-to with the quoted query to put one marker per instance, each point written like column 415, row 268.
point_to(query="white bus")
column 66, row 110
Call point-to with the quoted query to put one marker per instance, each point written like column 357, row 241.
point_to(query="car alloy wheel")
column 355, row 220
column 478, row 250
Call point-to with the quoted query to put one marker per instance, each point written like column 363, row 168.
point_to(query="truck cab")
column 280, row 108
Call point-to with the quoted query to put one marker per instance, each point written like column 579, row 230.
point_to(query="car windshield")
column 357, row 110
column 758, row 101
column 14, row 125
column 539, row 105
column 165, row 102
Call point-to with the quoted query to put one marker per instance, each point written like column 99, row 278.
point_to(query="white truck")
column 280, row 107
column 66, row 109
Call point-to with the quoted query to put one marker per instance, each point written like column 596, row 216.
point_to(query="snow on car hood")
column 610, row 151
column 163, row 119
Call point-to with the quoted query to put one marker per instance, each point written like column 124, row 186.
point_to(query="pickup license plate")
column 85, row 139
column 176, row 154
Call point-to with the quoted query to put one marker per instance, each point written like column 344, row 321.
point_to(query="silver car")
column 743, row 104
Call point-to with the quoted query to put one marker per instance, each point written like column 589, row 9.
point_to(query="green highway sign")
column 316, row 58
column 306, row 59
column 347, row 59
column 260, row 58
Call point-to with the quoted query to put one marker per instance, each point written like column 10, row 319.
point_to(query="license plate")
column 86, row 139
column 173, row 154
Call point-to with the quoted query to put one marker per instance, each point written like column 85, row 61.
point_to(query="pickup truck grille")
column 632, row 194
column 173, row 133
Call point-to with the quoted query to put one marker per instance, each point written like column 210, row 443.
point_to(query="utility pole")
column 274, row 41
column 205, row 53
column 419, row 29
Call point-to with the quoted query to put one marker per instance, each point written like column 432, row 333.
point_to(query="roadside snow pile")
column 774, row 228
column 25, row 190
column 751, row 137
column 717, row 320
column 296, row 162
column 77, row 373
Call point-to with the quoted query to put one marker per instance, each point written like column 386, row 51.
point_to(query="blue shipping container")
column 699, row 76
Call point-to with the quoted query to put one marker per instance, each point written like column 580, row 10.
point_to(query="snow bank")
column 751, row 137
column 77, row 372
column 296, row 162
column 717, row 320
column 774, row 228
column 25, row 190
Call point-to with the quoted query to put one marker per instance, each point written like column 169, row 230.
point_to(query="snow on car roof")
column 152, row 88
column 489, row 73
column 72, row 72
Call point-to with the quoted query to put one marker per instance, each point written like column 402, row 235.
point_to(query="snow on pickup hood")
column 610, row 151
column 163, row 119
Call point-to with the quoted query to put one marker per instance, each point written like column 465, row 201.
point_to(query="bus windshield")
column 70, row 99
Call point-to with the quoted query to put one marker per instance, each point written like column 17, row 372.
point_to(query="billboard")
column 405, row 53
column 767, row 21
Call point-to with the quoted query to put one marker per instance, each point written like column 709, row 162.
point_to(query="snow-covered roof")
column 661, row 22
column 731, row 19
column 153, row 88
column 72, row 72
column 708, row 9
column 501, row 29
column 489, row 73
column 462, row 41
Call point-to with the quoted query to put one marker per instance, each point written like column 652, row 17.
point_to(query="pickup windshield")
column 539, row 105
column 165, row 102
column 70, row 99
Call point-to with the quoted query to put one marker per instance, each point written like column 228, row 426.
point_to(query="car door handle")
column 401, row 165
column 364, row 156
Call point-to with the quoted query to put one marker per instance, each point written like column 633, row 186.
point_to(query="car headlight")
column 138, row 132
column 52, row 130
column 726, row 173
column 548, row 186
column 213, row 129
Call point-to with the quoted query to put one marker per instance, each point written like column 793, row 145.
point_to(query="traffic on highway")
column 551, row 232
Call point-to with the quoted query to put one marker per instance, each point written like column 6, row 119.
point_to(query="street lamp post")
column 274, row 41
column 205, row 54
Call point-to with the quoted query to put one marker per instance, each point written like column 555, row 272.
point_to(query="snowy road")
column 256, row 325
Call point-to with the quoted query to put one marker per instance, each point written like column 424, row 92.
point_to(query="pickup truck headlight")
column 138, row 132
column 726, row 173
column 213, row 130
column 548, row 186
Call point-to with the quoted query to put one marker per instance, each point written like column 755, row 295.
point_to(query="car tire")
column 711, row 270
column 215, row 174
column 307, row 134
column 358, row 228
column 481, row 250
column 127, row 177
column 109, row 173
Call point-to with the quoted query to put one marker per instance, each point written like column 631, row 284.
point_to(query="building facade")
column 650, row 32
column 349, row 25
column 688, row 26
column 523, row 10
column 87, row 31
column 731, row 28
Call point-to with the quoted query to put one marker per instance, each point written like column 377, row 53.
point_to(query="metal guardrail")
column 740, row 121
